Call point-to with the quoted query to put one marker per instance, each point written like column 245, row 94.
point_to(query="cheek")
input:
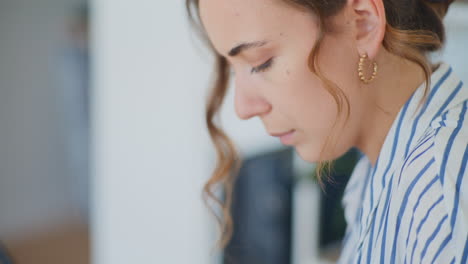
column 299, row 91
column 310, row 109
column 313, row 105
column 313, row 110
column 338, row 60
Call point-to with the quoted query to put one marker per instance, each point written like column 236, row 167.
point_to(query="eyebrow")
column 245, row 46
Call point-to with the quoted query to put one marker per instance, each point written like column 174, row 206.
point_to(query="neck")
column 396, row 81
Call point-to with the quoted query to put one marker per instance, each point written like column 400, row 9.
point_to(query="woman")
column 326, row 76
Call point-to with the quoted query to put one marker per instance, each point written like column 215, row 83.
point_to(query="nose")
column 248, row 102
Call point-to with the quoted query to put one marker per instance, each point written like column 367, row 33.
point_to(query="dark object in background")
column 332, row 222
column 261, row 210
column 4, row 255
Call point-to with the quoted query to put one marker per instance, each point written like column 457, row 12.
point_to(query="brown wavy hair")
column 414, row 29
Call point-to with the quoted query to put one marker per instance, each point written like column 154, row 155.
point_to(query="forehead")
column 229, row 22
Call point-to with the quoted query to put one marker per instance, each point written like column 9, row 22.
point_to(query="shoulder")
column 451, row 140
column 442, row 154
column 436, row 172
column 443, row 147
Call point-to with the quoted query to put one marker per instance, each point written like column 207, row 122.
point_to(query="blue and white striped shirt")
column 412, row 206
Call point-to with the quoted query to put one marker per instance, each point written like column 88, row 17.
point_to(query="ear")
column 370, row 21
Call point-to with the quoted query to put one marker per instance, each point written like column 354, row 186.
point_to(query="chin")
column 308, row 154
column 312, row 154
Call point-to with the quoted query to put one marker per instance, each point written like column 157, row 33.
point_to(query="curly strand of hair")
column 228, row 162
column 324, row 168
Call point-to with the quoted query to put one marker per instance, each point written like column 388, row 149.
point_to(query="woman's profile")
column 326, row 76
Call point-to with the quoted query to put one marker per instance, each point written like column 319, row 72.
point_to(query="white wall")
column 455, row 51
column 151, row 150
column 34, row 187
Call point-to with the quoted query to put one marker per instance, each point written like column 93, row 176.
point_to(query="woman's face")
column 272, row 78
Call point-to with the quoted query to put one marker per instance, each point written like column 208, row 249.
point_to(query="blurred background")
column 104, row 152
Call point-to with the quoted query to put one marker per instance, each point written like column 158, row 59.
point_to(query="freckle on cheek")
column 287, row 72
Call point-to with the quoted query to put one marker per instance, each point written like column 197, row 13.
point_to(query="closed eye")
column 262, row 67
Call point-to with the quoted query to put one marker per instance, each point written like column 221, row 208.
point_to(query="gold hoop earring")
column 361, row 68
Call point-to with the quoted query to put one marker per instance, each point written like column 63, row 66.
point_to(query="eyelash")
column 262, row 67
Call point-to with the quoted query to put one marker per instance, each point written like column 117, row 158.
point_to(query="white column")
column 151, row 152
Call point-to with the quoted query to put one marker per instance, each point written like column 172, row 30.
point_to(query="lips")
column 288, row 138
column 281, row 133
